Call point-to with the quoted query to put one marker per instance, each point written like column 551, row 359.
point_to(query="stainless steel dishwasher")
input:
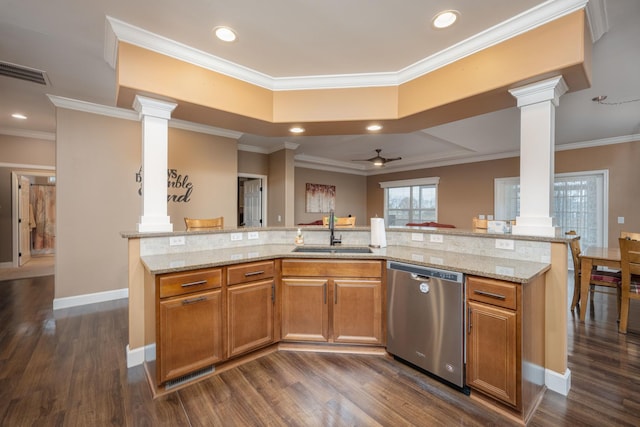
column 425, row 324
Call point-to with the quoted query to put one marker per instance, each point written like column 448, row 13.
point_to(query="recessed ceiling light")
column 445, row 19
column 225, row 34
column 19, row 116
column 296, row 129
column 373, row 128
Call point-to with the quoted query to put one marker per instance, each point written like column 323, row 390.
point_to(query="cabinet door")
column 357, row 311
column 491, row 355
column 250, row 316
column 305, row 310
column 190, row 333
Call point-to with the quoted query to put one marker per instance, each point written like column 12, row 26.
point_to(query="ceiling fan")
column 378, row 160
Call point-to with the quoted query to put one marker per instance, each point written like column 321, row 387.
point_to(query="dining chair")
column 348, row 222
column 630, row 235
column 630, row 264
column 208, row 223
column 598, row 278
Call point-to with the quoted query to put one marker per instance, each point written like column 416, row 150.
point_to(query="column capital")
column 546, row 90
column 153, row 107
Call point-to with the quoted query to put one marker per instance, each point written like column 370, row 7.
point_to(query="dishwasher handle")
column 420, row 278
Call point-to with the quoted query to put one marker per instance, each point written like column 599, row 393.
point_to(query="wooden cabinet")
column 337, row 301
column 189, row 317
column 250, row 306
column 505, row 328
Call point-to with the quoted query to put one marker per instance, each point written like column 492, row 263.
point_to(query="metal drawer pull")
column 194, row 300
column 253, row 273
column 199, row 282
column 490, row 294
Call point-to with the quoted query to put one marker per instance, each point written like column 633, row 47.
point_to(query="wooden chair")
column 209, row 223
column 342, row 222
column 630, row 235
column 630, row 264
column 605, row 279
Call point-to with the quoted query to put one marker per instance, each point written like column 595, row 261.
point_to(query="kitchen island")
column 531, row 260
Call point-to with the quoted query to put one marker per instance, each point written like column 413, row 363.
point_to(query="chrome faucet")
column 332, row 222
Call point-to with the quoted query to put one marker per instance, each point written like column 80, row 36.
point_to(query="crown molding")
column 26, row 133
column 27, row 166
column 117, row 30
column 90, row 107
column 312, row 162
column 598, row 18
column 210, row 130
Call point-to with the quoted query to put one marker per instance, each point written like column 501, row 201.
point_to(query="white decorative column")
column 155, row 116
column 537, row 104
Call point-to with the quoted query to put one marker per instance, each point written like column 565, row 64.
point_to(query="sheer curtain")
column 580, row 203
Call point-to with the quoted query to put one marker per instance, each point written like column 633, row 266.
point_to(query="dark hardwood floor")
column 68, row 368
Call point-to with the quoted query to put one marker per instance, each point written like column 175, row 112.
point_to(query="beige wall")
column 210, row 162
column 351, row 194
column 467, row 190
column 281, row 189
column 253, row 163
column 98, row 158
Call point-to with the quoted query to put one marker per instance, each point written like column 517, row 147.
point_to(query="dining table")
column 594, row 256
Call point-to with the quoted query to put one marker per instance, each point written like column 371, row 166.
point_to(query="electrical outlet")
column 417, row 237
column 176, row 240
column 620, row 220
column 236, row 236
column 252, row 235
column 435, row 238
column 505, row 244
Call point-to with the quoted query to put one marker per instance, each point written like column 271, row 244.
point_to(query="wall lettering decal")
column 179, row 186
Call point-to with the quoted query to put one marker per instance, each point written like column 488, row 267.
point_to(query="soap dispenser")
column 299, row 238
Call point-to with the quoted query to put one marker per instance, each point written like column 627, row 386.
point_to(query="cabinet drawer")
column 333, row 268
column 494, row 292
column 192, row 281
column 249, row 272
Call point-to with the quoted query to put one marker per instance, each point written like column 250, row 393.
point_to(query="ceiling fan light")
column 378, row 162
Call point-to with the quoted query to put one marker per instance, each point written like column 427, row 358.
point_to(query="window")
column 412, row 200
column 580, row 203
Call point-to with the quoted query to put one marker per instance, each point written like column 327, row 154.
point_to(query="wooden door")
column 250, row 316
column 24, row 227
column 253, row 203
column 305, row 310
column 357, row 311
column 491, row 351
column 190, row 333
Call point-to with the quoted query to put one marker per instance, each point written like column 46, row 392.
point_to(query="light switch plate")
column 236, row 236
column 252, row 235
column 620, row 220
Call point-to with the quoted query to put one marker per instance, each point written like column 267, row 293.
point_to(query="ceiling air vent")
column 23, row 73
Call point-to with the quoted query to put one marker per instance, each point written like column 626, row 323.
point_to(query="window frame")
column 409, row 183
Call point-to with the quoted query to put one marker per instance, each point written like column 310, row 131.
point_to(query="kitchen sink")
column 333, row 249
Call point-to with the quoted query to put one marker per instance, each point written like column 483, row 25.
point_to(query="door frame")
column 264, row 193
column 15, row 229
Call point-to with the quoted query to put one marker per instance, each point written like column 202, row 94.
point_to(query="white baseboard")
column 558, row 382
column 139, row 355
column 74, row 301
column 135, row 357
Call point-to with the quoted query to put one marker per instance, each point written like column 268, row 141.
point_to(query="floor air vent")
column 189, row 377
column 23, row 73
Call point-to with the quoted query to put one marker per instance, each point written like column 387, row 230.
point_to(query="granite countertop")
column 497, row 268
